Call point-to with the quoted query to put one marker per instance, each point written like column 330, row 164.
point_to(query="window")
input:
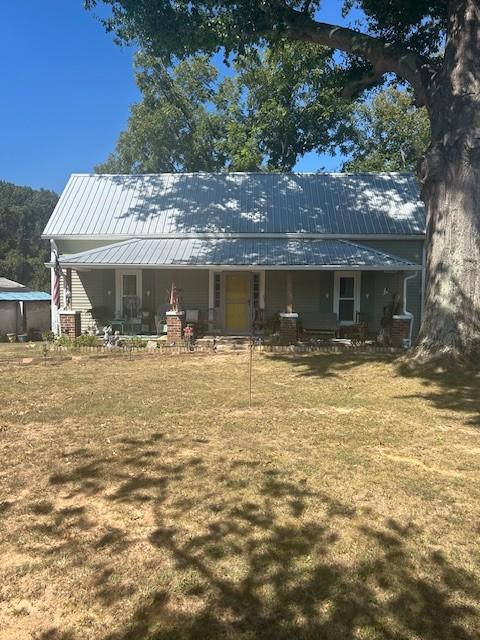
column 347, row 296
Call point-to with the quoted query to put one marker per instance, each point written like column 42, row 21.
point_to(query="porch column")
column 211, row 294
column 289, row 307
column 289, row 320
column 261, row 292
column 175, row 324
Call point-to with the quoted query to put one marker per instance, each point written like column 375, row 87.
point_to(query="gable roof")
column 11, row 291
column 10, row 285
column 158, row 205
column 235, row 252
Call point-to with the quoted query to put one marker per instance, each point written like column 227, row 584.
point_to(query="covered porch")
column 232, row 287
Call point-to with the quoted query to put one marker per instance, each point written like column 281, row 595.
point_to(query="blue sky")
column 66, row 92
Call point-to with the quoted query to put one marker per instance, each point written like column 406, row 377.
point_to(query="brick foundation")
column 289, row 328
column 175, row 323
column 70, row 324
column 400, row 330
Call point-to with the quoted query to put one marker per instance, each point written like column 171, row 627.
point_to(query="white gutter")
column 238, row 267
column 300, row 235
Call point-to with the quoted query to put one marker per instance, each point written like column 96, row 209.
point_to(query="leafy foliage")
column 390, row 134
column 24, row 213
column 280, row 103
column 178, row 28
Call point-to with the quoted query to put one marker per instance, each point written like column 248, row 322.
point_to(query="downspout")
column 405, row 312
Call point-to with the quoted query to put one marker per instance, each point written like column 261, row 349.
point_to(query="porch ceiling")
column 240, row 252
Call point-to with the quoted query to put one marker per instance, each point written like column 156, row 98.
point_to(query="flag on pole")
column 173, row 297
column 56, row 283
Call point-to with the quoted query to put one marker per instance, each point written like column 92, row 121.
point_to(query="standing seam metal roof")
column 175, row 204
column 235, row 252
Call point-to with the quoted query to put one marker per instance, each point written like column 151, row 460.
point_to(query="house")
column 22, row 310
column 239, row 246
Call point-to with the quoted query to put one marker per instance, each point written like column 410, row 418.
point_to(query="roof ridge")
column 245, row 173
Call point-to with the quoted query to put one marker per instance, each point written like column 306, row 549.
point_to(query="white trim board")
column 119, row 287
column 356, row 275
column 260, row 267
column 212, row 236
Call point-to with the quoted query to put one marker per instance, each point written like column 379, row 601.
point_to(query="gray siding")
column 192, row 286
column 89, row 289
column 409, row 250
column 313, row 291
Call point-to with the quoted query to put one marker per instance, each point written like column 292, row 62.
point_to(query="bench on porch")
column 319, row 324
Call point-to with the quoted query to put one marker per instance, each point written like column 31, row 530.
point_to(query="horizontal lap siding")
column 89, row 289
column 76, row 246
column 312, row 291
column 275, row 292
column 409, row 250
column 192, row 287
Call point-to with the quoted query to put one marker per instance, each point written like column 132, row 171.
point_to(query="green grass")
column 143, row 499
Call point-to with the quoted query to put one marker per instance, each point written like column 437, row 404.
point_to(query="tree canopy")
column 389, row 133
column 402, row 37
column 24, row 213
column 275, row 106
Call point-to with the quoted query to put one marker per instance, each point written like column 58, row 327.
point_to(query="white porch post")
column 211, row 293
column 53, row 308
column 261, row 292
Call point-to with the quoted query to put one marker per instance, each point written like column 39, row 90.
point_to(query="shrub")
column 135, row 343
column 63, row 341
column 85, row 341
column 48, row 336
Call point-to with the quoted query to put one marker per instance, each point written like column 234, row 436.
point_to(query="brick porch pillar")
column 70, row 324
column 400, row 330
column 289, row 328
column 175, row 323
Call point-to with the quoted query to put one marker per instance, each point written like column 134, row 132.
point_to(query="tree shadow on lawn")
column 263, row 561
column 454, row 389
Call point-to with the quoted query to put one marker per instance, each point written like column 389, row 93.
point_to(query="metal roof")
column 193, row 252
column 23, row 296
column 236, row 203
column 5, row 283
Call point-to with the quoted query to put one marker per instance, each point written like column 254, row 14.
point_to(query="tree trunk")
column 450, row 174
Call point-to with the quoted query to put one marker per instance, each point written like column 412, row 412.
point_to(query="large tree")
column 24, row 212
column 434, row 46
column 388, row 134
column 274, row 106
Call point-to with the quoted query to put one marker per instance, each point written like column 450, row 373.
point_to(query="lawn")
column 144, row 499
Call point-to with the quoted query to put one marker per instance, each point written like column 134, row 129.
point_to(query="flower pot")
column 12, row 337
column 22, row 337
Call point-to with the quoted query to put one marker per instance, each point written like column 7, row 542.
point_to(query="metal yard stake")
column 250, row 373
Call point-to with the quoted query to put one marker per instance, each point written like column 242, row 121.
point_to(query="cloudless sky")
column 66, row 89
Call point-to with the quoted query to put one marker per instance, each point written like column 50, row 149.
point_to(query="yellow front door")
column 237, row 301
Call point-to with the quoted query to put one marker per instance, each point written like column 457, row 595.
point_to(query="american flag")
column 56, row 283
column 173, row 297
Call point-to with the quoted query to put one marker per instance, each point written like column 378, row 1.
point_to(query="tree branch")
column 383, row 56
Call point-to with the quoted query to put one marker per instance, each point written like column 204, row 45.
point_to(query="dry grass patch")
column 144, row 500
